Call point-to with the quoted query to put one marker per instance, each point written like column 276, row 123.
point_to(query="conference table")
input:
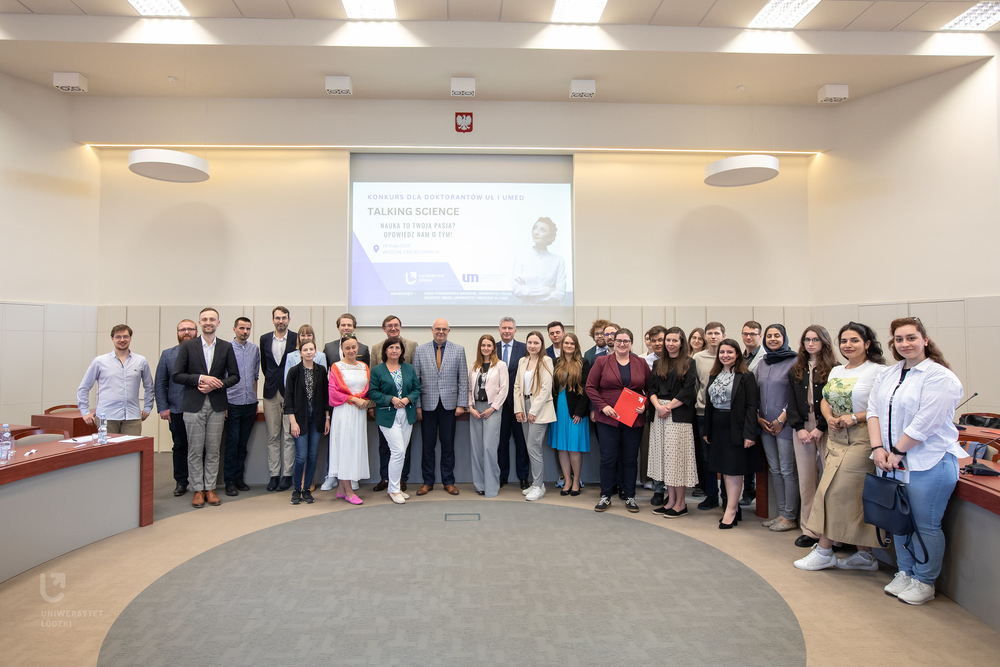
column 60, row 496
column 64, row 420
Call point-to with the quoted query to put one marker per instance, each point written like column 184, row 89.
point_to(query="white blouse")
column 923, row 407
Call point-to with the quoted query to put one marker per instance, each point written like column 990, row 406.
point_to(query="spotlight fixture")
column 159, row 7
column 982, row 16
column 463, row 87
column 782, row 14
column 69, row 82
column 832, row 93
column 582, row 88
column 339, row 85
column 578, row 11
column 733, row 172
column 377, row 10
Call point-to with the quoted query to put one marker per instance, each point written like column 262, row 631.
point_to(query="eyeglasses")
column 750, row 334
column 187, row 329
column 810, row 340
column 623, row 342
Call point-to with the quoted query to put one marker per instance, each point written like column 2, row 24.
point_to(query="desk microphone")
column 975, row 468
column 958, row 426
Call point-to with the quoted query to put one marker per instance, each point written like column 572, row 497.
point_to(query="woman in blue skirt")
column 569, row 435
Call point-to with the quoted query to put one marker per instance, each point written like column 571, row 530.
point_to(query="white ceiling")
column 878, row 15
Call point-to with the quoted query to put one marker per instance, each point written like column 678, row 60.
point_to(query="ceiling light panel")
column 384, row 10
column 578, row 11
column 782, row 14
column 159, row 7
column 982, row 16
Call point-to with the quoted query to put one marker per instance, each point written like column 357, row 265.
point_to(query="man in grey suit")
column 444, row 396
column 346, row 324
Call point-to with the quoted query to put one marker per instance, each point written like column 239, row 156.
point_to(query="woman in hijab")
column 776, row 434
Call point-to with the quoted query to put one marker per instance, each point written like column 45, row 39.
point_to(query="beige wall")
column 49, row 199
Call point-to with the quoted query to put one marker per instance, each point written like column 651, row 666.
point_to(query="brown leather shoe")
column 211, row 498
column 450, row 488
column 423, row 490
column 402, row 485
column 382, row 485
column 198, row 500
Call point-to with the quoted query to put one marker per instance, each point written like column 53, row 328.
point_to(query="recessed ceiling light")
column 782, row 14
column 982, row 16
column 578, row 11
column 370, row 9
column 159, row 7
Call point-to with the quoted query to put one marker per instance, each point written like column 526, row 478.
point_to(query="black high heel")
column 726, row 526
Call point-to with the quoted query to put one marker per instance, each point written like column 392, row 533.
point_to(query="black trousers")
column 509, row 427
column 239, row 422
column 619, row 443
column 438, row 423
column 180, row 447
column 383, row 458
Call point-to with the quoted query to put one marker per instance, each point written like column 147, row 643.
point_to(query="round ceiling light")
column 164, row 165
column 741, row 170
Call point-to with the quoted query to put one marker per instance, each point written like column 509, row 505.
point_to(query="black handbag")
column 887, row 508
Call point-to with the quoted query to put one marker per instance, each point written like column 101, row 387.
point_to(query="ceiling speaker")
column 339, row 85
column 463, row 87
column 69, row 82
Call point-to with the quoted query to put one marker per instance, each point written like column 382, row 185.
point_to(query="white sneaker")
column 536, row 492
column 898, row 584
column 327, row 484
column 917, row 593
column 859, row 560
column 648, row 485
column 528, row 490
column 397, row 498
column 814, row 560
column 355, row 485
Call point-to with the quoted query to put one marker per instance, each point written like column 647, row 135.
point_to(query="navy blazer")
column 274, row 369
column 517, row 350
column 550, row 352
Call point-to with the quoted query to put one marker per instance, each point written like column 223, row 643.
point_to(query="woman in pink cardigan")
column 349, row 421
column 488, row 381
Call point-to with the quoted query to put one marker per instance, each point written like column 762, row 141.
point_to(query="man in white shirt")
column 654, row 342
column 715, row 332
column 556, row 331
column 118, row 376
column 274, row 348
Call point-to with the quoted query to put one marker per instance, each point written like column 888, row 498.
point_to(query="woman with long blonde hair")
column 569, row 434
column 533, row 407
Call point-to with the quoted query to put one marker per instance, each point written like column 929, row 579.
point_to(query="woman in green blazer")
column 394, row 388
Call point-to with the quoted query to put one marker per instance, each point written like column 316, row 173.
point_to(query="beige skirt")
column 837, row 511
column 671, row 453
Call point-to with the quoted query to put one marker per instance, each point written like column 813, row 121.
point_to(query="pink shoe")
column 341, row 495
column 355, row 500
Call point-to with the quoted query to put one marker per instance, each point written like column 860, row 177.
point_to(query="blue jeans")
column 928, row 491
column 306, row 451
column 784, row 475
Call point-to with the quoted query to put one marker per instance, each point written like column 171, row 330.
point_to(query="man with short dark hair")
column 274, row 348
column 393, row 327
column 242, row 414
column 169, row 396
column 118, row 376
column 556, row 331
column 346, row 324
column 206, row 366
column 510, row 352
column 715, row 332
column 654, row 338
column 753, row 353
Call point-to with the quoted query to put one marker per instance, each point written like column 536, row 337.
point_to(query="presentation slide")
column 462, row 244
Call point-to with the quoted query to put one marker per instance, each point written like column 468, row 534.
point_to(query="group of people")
column 693, row 409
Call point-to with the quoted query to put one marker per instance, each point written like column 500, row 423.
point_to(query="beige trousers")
column 280, row 444
column 809, row 462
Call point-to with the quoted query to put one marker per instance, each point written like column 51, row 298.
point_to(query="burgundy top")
column 604, row 385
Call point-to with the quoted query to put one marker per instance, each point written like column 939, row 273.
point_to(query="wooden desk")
column 978, row 490
column 65, row 420
column 18, row 428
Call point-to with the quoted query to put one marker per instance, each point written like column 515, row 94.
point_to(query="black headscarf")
column 783, row 352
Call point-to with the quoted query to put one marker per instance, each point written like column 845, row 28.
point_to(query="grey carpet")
column 525, row 584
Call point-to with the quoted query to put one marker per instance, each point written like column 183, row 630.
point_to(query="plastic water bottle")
column 6, row 446
column 102, row 429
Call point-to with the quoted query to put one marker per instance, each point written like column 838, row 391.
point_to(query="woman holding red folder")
column 608, row 380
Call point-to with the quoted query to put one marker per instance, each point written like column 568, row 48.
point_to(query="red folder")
column 627, row 404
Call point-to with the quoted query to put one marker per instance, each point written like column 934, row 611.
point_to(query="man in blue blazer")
column 443, row 373
column 510, row 352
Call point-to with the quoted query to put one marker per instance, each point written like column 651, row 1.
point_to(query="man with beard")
column 169, row 395
column 274, row 347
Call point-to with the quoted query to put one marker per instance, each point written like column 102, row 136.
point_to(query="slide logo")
column 411, row 277
column 470, row 277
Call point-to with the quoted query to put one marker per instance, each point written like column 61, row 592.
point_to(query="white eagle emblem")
column 463, row 122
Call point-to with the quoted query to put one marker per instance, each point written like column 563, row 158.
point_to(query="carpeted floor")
column 493, row 583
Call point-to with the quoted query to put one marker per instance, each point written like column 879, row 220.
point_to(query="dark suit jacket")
column 190, row 365
column 604, row 385
column 550, row 351
column 332, row 352
column 517, row 350
column 591, row 355
column 743, row 409
column 683, row 389
column 577, row 403
column 274, row 369
column 296, row 400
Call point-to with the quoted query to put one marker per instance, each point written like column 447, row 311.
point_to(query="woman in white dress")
column 349, row 422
